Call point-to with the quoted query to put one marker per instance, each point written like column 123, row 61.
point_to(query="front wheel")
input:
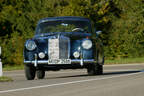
column 95, row 69
column 30, row 72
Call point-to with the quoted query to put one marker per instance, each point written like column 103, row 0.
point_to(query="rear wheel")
column 40, row 74
column 30, row 72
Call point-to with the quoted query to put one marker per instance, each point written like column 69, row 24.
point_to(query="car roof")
column 63, row 18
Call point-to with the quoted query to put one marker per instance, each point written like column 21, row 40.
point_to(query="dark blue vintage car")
column 63, row 43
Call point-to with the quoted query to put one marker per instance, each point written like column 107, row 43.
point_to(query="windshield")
column 63, row 26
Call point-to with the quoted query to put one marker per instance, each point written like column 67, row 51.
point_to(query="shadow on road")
column 105, row 74
column 120, row 72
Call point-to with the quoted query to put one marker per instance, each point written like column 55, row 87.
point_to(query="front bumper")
column 73, row 61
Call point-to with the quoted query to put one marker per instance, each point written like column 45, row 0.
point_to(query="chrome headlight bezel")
column 30, row 45
column 87, row 44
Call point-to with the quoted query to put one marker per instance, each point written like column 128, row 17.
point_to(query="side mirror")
column 98, row 32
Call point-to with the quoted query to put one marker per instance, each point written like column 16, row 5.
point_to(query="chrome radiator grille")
column 59, row 48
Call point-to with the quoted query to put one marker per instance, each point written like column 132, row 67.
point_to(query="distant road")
column 118, row 80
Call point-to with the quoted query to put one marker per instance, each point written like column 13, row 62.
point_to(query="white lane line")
column 66, row 83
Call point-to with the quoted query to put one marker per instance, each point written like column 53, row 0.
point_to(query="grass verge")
column 5, row 79
column 11, row 68
column 125, row 60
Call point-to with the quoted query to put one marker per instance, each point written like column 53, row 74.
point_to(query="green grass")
column 125, row 60
column 11, row 68
column 5, row 79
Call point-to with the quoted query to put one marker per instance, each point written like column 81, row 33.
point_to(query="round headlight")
column 87, row 44
column 30, row 45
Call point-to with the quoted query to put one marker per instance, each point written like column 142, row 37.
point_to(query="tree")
column 121, row 21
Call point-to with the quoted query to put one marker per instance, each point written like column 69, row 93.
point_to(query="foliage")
column 126, row 31
column 121, row 21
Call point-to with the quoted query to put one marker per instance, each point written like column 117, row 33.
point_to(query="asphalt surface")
column 118, row 80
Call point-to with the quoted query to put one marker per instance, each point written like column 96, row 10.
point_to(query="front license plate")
column 59, row 61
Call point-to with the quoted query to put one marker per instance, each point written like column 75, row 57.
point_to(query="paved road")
column 118, row 80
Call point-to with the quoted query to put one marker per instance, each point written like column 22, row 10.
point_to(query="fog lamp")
column 41, row 55
column 76, row 54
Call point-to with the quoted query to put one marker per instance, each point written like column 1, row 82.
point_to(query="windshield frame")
column 50, row 20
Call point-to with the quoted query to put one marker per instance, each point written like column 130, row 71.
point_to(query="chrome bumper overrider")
column 77, row 61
